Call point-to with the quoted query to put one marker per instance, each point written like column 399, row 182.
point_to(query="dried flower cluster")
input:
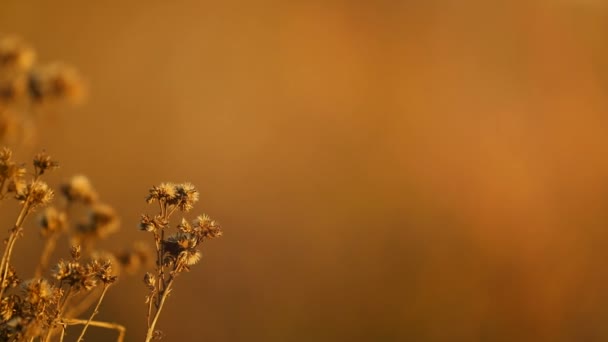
column 61, row 290
column 43, row 307
column 26, row 86
column 175, row 253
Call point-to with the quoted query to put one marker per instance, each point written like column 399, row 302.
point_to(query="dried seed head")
column 52, row 221
column 12, row 88
column 39, row 194
column 183, row 240
column 184, row 226
column 7, row 308
column 15, row 54
column 134, row 258
column 62, row 270
column 79, row 189
column 191, row 256
column 5, row 155
column 102, row 221
column 75, row 252
column 206, row 227
column 164, row 192
column 36, row 290
column 11, row 278
column 187, row 195
column 150, row 280
column 147, row 223
column 75, row 274
column 102, row 269
column 43, row 163
column 56, row 83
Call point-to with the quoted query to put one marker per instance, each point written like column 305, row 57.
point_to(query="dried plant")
column 60, row 292
column 175, row 253
column 28, row 88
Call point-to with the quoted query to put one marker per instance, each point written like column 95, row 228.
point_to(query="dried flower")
column 15, row 54
column 102, row 221
column 55, row 82
column 164, row 192
column 187, row 195
column 76, row 252
column 150, row 280
column 102, row 269
column 39, row 194
column 7, row 308
column 52, row 221
column 207, row 228
column 37, row 290
column 43, row 162
column 147, row 223
column 134, row 258
column 79, row 189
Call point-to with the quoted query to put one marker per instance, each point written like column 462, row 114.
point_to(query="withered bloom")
column 52, row 221
column 43, row 163
column 102, row 221
column 79, row 189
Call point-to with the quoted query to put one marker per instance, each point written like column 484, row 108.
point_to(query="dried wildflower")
column 43, row 163
column 75, row 252
column 55, row 82
column 38, row 194
column 134, row 258
column 12, row 88
column 75, row 275
column 177, row 252
column 191, row 256
column 5, row 155
column 150, row 280
column 147, row 223
column 181, row 245
column 79, row 189
column 187, row 195
column 62, row 270
column 11, row 173
column 184, row 226
column 207, row 228
column 102, row 221
column 11, row 279
column 15, row 54
column 37, row 290
column 7, row 308
column 102, row 269
column 164, row 192
column 52, row 221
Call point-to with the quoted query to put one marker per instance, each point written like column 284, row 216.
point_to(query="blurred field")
column 383, row 170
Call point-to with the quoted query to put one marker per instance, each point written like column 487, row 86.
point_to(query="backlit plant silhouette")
column 43, row 307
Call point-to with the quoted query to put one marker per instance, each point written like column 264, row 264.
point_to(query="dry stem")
column 114, row 326
column 95, row 312
column 164, row 296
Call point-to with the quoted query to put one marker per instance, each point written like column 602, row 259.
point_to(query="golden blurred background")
column 383, row 170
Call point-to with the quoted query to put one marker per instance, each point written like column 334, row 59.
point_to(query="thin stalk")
column 114, row 326
column 62, row 306
column 49, row 247
column 150, row 302
column 95, row 312
column 63, row 327
column 164, row 296
column 82, row 304
column 6, row 257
